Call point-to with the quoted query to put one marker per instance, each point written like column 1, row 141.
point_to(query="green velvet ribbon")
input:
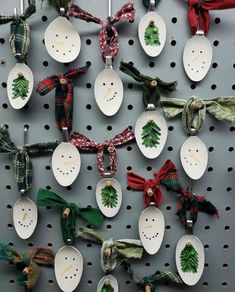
column 151, row 86
column 57, row 4
column 120, row 249
column 153, row 280
column 194, row 109
column 68, row 224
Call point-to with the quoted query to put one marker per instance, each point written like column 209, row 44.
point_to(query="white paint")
column 18, row 103
column 190, row 278
column 66, row 163
column 108, row 91
column 143, row 119
column 25, row 217
column 62, row 40
column 194, row 157
column 152, row 51
column 106, row 210
column 197, row 57
column 151, row 229
column 68, row 268
column 112, row 280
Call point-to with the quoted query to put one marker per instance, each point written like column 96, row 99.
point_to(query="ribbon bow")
column 112, row 251
column 167, row 176
column 83, row 143
column 22, row 164
column 150, row 283
column 127, row 12
column 151, row 86
column 69, row 213
column 198, row 12
column 27, row 268
column 20, row 32
column 63, row 95
column 194, row 109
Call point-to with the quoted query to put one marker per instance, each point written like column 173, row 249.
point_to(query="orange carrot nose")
column 25, row 216
column 68, row 162
column 107, row 92
column 195, row 59
column 67, row 269
column 148, row 226
column 195, row 158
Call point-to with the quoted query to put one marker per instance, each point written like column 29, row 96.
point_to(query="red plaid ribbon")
column 83, row 143
column 198, row 10
column 151, row 186
column 127, row 12
column 63, row 84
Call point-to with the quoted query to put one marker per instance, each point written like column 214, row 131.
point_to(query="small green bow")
column 112, row 251
column 151, row 86
column 69, row 213
column 194, row 110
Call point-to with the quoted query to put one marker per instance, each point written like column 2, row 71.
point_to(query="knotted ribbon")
column 27, row 268
column 83, row 143
column 127, row 12
column 167, row 175
column 151, row 86
column 198, row 12
column 194, row 109
column 112, row 251
column 63, row 84
column 20, row 32
column 153, row 280
column 22, row 164
column 68, row 220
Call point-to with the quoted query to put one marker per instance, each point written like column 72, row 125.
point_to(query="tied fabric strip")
column 153, row 280
column 68, row 220
column 20, row 32
column 198, row 11
column 85, row 144
column 22, row 164
column 167, row 176
column 63, row 84
column 27, row 265
column 194, row 109
column 151, row 86
column 127, row 12
column 112, row 251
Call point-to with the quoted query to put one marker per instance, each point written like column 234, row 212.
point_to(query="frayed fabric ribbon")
column 63, row 85
column 112, row 251
column 198, row 12
column 20, row 32
column 127, row 12
column 167, row 175
column 85, row 144
column 27, row 265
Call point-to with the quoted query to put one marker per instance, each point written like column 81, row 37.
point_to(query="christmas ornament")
column 151, row 128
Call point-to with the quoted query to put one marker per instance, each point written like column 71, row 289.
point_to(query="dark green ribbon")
column 151, row 86
column 22, row 164
column 68, row 224
column 20, row 32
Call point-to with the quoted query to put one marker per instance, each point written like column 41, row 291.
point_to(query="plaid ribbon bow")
column 167, row 175
column 127, row 12
column 20, row 32
column 63, row 84
column 83, row 143
column 22, row 164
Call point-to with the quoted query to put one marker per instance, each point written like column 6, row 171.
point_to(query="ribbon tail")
column 90, row 235
column 48, row 198
column 130, row 70
column 92, row 216
column 222, row 108
column 135, row 181
column 172, row 107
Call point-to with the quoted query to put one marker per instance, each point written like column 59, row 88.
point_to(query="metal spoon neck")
column 65, row 134
column 189, row 226
column 152, row 5
column 108, row 62
column 151, row 107
column 200, row 32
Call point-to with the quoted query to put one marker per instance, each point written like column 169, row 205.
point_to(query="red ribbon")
column 151, row 186
column 199, row 9
column 83, row 143
column 127, row 12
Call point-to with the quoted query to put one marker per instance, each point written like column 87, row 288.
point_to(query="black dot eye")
column 65, row 258
column 193, row 51
column 146, row 219
column 22, row 209
column 153, row 220
column 70, row 157
column 62, row 156
column 200, row 52
column 104, row 84
column 197, row 150
column 57, row 35
column 73, row 259
column 112, row 83
column 189, row 150
column 29, row 209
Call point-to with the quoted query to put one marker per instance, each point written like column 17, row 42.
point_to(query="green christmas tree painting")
column 151, row 35
column 107, row 287
column 189, row 259
column 151, row 134
column 109, row 196
column 20, row 87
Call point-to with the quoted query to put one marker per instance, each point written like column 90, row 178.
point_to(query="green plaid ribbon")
column 20, row 32
column 194, row 109
column 22, row 164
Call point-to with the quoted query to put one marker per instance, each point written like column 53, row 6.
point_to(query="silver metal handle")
column 152, row 5
column 26, row 128
column 65, row 134
column 21, row 7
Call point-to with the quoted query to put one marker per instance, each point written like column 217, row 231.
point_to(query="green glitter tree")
column 151, row 35
column 107, row 287
column 151, row 134
column 109, row 196
column 189, row 259
column 20, row 87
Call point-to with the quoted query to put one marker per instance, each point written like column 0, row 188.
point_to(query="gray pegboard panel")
column 217, row 183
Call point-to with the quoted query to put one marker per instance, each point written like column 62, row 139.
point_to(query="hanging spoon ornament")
column 108, row 284
column 152, row 30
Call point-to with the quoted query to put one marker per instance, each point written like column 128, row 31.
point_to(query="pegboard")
column 217, row 183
